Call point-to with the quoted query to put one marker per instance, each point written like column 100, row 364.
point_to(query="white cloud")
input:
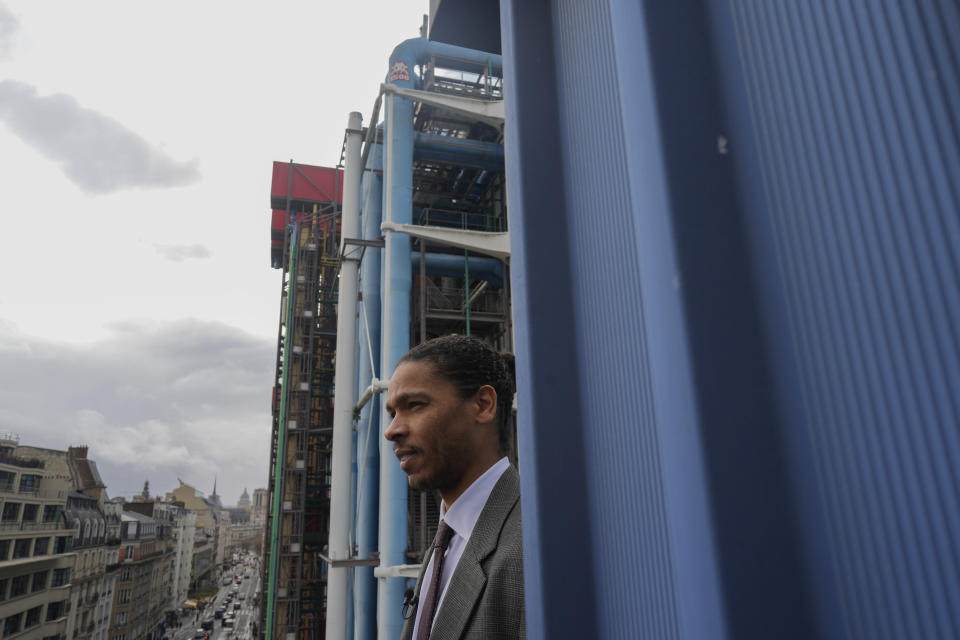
column 97, row 153
column 187, row 399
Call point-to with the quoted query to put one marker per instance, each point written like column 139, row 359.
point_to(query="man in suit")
column 450, row 402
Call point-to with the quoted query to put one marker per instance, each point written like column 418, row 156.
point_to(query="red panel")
column 278, row 221
column 309, row 183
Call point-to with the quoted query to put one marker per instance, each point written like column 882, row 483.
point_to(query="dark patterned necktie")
column 444, row 533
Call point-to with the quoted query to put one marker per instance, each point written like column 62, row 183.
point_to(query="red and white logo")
column 400, row 71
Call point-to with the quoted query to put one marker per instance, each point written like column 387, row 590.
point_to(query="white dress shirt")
column 461, row 517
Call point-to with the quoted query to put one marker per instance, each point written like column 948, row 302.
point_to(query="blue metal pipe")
column 444, row 264
column 368, row 435
column 396, row 285
column 419, row 50
column 398, row 208
column 430, row 147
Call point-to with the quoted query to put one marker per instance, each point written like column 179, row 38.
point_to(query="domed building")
column 244, row 501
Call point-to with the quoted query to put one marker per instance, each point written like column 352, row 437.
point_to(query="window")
column 128, row 555
column 51, row 512
column 120, row 636
column 4, row 550
column 3, row 588
column 125, row 574
column 56, row 610
column 62, row 544
column 41, row 546
column 121, row 619
column 123, row 596
column 33, row 617
column 19, row 585
column 12, row 624
column 60, row 577
column 7, row 479
column 29, row 482
column 39, row 581
column 11, row 512
column 21, row 548
column 30, row 512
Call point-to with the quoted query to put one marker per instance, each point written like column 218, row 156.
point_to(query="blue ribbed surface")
column 736, row 259
column 631, row 555
column 855, row 109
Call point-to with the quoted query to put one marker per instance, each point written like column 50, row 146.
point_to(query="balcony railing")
column 43, row 494
column 6, row 458
column 30, row 526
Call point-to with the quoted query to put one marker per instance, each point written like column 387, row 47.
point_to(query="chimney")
column 78, row 453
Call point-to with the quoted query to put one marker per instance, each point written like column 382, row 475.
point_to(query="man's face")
column 433, row 430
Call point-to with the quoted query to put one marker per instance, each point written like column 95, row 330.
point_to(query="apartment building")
column 92, row 586
column 36, row 556
column 211, row 516
column 184, row 535
column 202, row 572
column 143, row 583
column 175, row 527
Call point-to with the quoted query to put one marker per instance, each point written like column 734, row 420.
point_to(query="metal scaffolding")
column 298, row 521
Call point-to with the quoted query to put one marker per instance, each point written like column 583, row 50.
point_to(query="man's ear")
column 486, row 404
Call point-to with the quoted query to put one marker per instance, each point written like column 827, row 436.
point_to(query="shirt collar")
column 463, row 515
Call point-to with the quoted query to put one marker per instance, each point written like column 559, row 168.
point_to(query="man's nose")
column 395, row 429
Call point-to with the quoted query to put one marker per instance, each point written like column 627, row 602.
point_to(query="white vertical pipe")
column 344, row 382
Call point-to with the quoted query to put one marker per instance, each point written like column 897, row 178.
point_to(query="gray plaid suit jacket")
column 485, row 596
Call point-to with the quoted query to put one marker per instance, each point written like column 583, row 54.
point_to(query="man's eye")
column 417, row 403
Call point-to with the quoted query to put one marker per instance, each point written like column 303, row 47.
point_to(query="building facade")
column 258, row 507
column 184, row 536
column 89, row 617
column 202, row 572
column 36, row 554
column 145, row 575
column 211, row 516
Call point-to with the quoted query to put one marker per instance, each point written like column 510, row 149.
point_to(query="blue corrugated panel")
column 855, row 111
column 737, row 272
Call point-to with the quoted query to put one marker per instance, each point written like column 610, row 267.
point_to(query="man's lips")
column 405, row 455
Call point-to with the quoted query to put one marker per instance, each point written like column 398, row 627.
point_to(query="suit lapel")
column 468, row 579
column 407, row 632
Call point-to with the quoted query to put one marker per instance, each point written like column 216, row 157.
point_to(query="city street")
column 243, row 617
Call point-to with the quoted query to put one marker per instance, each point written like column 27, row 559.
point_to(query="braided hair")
column 468, row 364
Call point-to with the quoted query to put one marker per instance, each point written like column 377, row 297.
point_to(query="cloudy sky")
column 138, row 310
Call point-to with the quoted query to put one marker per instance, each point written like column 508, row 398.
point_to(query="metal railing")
column 470, row 221
column 31, row 526
column 6, row 458
column 440, row 299
column 42, row 494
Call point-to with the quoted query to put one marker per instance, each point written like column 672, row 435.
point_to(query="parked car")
column 201, row 634
column 228, row 623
